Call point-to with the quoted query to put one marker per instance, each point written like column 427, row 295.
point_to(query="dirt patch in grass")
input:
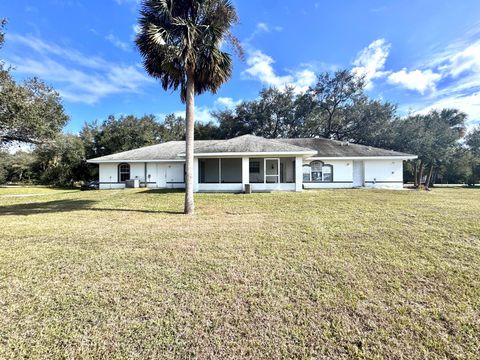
column 332, row 273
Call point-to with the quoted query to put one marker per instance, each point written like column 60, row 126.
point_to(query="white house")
column 265, row 164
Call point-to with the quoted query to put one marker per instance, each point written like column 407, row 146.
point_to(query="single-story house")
column 265, row 164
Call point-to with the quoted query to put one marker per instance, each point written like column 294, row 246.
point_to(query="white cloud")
column 261, row 26
column 202, row 114
column 418, row 80
column 123, row 2
column 469, row 104
column 118, row 43
column 227, row 102
column 371, row 61
column 43, row 48
column 459, row 66
column 77, row 76
column 260, row 67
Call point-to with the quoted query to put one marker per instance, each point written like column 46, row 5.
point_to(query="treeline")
column 336, row 107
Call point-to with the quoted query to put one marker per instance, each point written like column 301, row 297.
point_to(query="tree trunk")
column 420, row 173
column 415, row 174
column 189, row 138
column 429, row 178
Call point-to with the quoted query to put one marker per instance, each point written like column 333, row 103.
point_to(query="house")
column 265, row 164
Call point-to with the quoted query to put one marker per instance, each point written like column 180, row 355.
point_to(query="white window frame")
column 322, row 180
column 120, row 172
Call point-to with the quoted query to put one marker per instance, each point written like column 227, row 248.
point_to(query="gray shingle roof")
column 175, row 150
column 334, row 148
column 166, row 151
column 251, row 144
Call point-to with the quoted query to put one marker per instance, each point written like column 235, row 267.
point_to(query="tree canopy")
column 30, row 112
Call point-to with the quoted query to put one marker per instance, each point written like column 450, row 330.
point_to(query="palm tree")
column 180, row 41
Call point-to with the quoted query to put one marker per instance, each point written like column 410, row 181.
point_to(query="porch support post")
column 298, row 173
column 195, row 174
column 245, row 172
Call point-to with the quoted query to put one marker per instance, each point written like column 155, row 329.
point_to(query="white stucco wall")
column 378, row 174
column 108, row 176
column 162, row 175
column 175, row 173
column 137, row 171
column 386, row 174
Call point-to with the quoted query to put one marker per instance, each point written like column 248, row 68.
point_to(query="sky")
column 420, row 55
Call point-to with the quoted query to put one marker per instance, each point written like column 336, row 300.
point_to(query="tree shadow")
column 61, row 206
column 161, row 191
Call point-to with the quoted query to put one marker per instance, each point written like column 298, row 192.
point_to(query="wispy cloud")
column 123, row 2
column 370, row 62
column 262, row 27
column 118, row 43
column 447, row 78
column 77, row 76
column 458, row 65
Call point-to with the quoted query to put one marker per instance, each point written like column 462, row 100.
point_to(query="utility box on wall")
column 132, row 184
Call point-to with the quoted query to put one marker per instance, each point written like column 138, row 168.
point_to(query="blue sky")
column 419, row 54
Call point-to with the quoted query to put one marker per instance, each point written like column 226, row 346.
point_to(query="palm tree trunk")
column 189, row 139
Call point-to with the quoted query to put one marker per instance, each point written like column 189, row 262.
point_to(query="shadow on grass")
column 161, row 191
column 60, row 206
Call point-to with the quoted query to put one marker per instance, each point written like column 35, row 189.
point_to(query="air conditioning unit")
column 132, row 184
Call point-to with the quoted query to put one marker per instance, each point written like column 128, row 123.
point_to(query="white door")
column 272, row 170
column 358, row 174
column 161, row 175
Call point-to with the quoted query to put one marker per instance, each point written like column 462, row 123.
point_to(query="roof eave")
column 370, row 157
column 94, row 161
column 257, row 153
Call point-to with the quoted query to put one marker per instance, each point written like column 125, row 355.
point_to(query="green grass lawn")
column 318, row 274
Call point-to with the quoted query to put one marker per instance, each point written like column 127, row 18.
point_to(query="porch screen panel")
column 231, row 170
column 208, row 171
column 272, row 170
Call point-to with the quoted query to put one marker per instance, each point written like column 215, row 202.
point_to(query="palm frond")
column 181, row 36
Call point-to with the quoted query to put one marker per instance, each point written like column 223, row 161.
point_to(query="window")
column 306, row 173
column 254, row 167
column 123, row 172
column 327, row 171
column 317, row 171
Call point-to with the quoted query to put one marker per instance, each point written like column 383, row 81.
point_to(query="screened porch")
column 231, row 174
